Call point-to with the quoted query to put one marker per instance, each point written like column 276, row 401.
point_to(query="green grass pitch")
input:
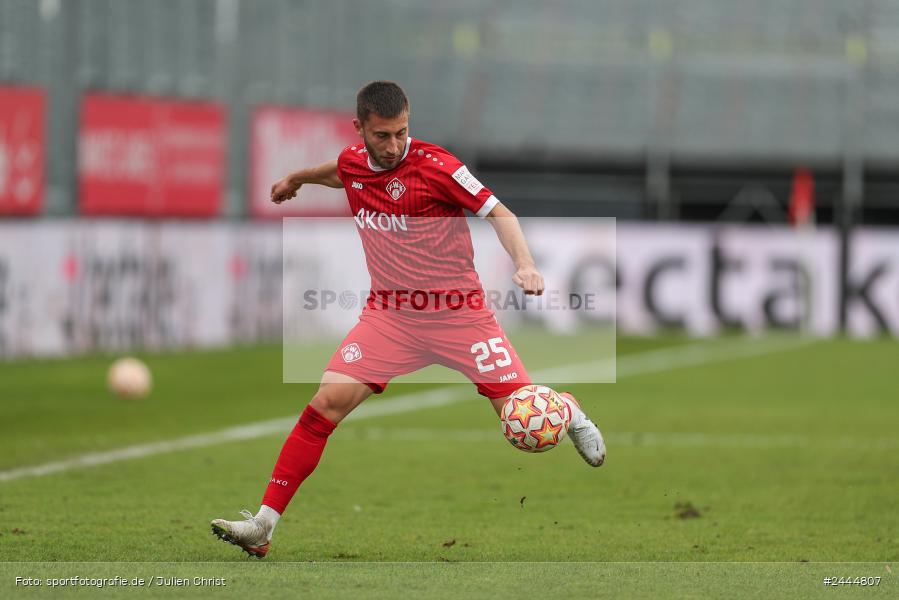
column 725, row 477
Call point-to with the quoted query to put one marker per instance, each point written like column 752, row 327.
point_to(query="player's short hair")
column 384, row 98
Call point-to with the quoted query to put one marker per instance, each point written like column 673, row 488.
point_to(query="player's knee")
column 324, row 402
column 332, row 402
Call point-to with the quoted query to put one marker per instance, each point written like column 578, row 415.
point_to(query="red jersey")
column 411, row 221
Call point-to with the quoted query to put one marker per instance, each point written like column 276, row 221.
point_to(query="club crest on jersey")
column 396, row 189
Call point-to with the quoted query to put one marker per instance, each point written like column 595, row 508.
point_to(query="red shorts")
column 385, row 344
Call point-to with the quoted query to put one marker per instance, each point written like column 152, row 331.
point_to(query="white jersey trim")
column 488, row 205
column 378, row 169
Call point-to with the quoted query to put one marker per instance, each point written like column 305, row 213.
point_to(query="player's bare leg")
column 498, row 404
column 585, row 434
column 336, row 397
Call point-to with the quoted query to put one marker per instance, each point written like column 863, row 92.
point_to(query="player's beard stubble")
column 383, row 160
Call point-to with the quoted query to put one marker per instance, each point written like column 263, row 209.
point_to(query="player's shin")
column 300, row 455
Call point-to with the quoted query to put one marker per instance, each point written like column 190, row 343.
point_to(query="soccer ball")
column 535, row 418
column 129, row 378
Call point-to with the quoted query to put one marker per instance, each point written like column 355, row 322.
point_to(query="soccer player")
column 407, row 197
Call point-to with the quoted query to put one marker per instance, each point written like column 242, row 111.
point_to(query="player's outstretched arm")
column 323, row 174
column 510, row 235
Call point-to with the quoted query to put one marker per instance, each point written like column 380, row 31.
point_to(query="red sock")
column 298, row 458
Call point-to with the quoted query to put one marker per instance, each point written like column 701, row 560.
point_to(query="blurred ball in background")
column 129, row 378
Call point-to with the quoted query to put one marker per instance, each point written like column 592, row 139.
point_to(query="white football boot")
column 253, row 535
column 585, row 435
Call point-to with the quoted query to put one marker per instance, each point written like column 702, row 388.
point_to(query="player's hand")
column 529, row 279
column 284, row 190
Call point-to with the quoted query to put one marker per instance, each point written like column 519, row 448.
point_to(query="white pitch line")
column 627, row 366
column 680, row 439
column 667, row 359
column 250, row 431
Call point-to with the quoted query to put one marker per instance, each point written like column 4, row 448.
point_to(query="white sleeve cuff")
column 487, row 206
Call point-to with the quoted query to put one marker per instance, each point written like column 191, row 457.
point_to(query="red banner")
column 149, row 157
column 802, row 198
column 287, row 139
column 21, row 150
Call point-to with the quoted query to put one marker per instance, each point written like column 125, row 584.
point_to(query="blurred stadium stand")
column 694, row 110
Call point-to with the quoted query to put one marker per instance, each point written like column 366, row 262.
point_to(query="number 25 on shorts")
column 482, row 352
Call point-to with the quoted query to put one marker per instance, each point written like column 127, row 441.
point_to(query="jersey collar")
column 378, row 169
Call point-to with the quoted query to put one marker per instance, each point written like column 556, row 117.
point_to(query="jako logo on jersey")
column 351, row 353
column 357, row 185
column 382, row 221
column 396, row 189
column 281, row 482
